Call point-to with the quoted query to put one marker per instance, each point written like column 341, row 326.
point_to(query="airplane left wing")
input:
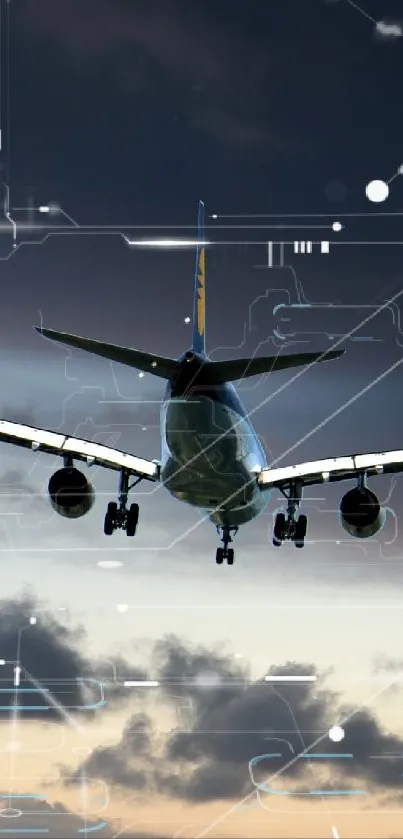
column 361, row 514
column 333, row 469
column 51, row 442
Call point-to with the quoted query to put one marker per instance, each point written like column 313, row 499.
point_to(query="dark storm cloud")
column 233, row 721
column 116, row 762
column 51, row 660
column 220, row 71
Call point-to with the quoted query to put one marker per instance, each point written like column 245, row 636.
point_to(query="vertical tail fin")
column 199, row 301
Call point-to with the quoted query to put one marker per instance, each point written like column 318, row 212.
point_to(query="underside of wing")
column 51, row 442
column 333, row 469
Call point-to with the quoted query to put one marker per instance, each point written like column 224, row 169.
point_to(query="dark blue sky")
column 131, row 109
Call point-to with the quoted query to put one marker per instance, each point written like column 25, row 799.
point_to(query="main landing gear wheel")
column 226, row 552
column 280, row 529
column 286, row 526
column 117, row 514
column 300, row 531
column 110, row 518
column 132, row 519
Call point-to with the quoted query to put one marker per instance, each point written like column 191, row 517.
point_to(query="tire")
column 300, row 531
column 219, row 557
column 132, row 520
column 230, row 556
column 112, row 510
column 108, row 525
column 279, row 529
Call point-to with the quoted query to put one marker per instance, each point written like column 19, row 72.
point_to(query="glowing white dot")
column 153, row 364
column 377, row 191
column 144, row 428
column 400, row 169
column 122, row 607
column 110, row 563
column 187, row 320
column 336, row 226
column 215, row 216
column 336, row 733
column 141, row 375
column 32, row 621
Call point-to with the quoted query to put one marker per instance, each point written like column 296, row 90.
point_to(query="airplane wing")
column 361, row 513
column 332, row 469
column 51, row 442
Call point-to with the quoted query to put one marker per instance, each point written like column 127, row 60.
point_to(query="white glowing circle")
column 377, row 191
column 336, row 733
column 10, row 813
column 141, row 375
column 32, row 621
column 187, row 320
column 110, row 563
column 336, row 226
column 122, row 607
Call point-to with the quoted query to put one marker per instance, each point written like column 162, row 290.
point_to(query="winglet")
column 199, row 301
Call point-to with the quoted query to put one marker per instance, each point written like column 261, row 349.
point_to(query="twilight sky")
column 124, row 113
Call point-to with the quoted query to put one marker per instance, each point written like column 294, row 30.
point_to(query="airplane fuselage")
column 211, row 455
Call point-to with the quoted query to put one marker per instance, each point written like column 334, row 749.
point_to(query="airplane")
column 211, row 457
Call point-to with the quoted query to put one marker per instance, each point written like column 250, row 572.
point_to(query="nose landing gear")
column 225, row 552
column 286, row 526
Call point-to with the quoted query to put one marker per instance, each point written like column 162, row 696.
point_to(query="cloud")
column 116, row 762
column 234, row 720
column 52, row 664
column 219, row 72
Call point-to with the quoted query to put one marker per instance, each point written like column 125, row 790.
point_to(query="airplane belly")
column 208, row 456
column 203, row 432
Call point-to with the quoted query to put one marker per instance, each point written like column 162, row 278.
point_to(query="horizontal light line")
column 140, row 684
column 290, row 678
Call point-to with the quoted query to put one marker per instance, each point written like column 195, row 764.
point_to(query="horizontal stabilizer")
column 165, row 368
column 243, row 368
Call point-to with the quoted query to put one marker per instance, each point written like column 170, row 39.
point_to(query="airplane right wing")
column 361, row 514
column 332, row 469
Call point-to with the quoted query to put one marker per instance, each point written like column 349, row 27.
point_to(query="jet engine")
column 71, row 495
column 361, row 514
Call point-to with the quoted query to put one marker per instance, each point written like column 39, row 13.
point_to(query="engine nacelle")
column 361, row 514
column 71, row 495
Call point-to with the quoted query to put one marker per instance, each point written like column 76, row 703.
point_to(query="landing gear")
column 226, row 552
column 117, row 514
column 286, row 526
